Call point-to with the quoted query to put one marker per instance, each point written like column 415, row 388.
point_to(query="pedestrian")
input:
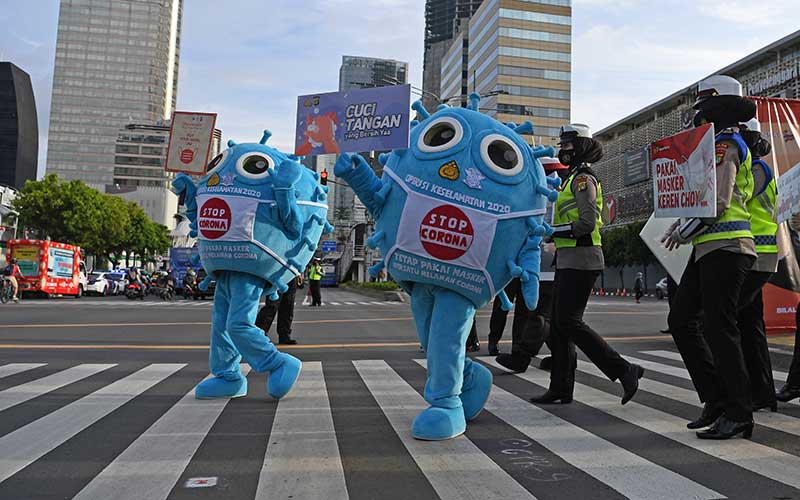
column 791, row 389
column 284, row 309
column 314, row 278
column 11, row 273
column 638, row 287
column 762, row 208
column 473, row 344
column 497, row 322
column 724, row 251
column 579, row 261
column 527, row 341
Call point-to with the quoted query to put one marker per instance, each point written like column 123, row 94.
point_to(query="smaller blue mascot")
column 257, row 214
column 459, row 214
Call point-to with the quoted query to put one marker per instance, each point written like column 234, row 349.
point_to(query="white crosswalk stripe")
column 185, row 304
column 768, row 462
column 160, row 454
column 302, row 458
column 305, row 457
column 456, row 468
column 620, row 469
column 29, row 443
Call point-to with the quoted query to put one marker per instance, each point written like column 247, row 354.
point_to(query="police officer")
column 529, row 335
column 579, row 261
column 762, row 208
column 724, row 251
column 791, row 389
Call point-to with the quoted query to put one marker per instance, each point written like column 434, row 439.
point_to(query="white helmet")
column 717, row 85
column 753, row 125
column 574, row 130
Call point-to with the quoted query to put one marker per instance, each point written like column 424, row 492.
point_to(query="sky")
column 248, row 60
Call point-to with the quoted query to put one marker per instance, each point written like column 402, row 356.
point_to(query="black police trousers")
column 754, row 338
column 713, row 355
column 793, row 380
column 283, row 308
column 497, row 323
column 567, row 330
column 527, row 340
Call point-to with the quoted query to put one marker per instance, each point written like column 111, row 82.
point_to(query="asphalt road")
column 96, row 403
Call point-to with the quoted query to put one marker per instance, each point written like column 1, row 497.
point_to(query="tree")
column 638, row 253
column 615, row 250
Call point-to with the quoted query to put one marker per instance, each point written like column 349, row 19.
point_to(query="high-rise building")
column 19, row 131
column 443, row 19
column 522, row 52
column 366, row 72
column 116, row 64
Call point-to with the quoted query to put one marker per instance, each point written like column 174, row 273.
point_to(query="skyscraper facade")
column 19, row 131
column 520, row 50
column 367, row 72
column 442, row 21
column 116, row 64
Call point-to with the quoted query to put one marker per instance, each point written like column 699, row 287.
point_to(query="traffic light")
column 323, row 177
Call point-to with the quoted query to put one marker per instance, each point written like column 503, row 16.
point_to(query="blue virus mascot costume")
column 258, row 214
column 459, row 214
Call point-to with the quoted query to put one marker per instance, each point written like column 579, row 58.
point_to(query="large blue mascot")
column 258, row 214
column 459, row 214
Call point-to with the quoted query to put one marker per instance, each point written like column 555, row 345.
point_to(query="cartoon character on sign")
column 258, row 215
column 459, row 214
column 320, row 132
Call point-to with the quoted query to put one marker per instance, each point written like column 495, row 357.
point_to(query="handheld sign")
column 190, row 139
column 353, row 121
column 684, row 179
column 789, row 194
column 673, row 261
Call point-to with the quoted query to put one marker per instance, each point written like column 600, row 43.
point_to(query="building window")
column 519, row 109
column 536, row 17
column 545, row 74
column 542, row 36
column 544, row 55
column 534, row 92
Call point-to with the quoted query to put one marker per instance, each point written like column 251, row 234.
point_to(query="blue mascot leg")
column 256, row 348
column 422, row 309
column 223, row 357
column 449, row 326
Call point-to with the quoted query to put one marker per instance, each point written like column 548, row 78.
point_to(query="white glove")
column 672, row 238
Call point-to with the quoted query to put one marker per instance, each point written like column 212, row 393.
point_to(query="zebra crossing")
column 131, row 430
column 187, row 304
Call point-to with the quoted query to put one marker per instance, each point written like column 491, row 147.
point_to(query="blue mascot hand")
column 286, row 175
column 530, row 292
column 184, row 187
column 355, row 170
column 530, row 261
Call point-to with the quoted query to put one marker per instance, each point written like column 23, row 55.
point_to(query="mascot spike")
column 383, row 158
column 505, row 303
column 309, row 244
column 525, row 127
column 420, row 109
column 375, row 270
column 321, row 194
column 265, row 138
column 544, row 152
column 517, row 271
column 281, row 287
column 551, row 195
column 414, row 123
column 474, row 101
column 511, row 125
column 375, row 239
column 383, row 192
column 315, row 175
column 328, row 227
column 318, row 219
column 295, row 264
column 554, row 182
column 442, row 106
column 231, row 143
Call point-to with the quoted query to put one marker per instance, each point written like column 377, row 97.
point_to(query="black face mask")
column 585, row 150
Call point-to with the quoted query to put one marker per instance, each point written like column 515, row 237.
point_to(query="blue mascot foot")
column 436, row 424
column 283, row 378
column 474, row 396
column 215, row 388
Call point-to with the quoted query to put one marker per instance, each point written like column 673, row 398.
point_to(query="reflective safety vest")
column 314, row 273
column 735, row 221
column 565, row 211
column 762, row 213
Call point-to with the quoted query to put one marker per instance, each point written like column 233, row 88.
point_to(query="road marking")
column 24, row 392
column 334, row 303
column 777, row 421
column 781, row 351
column 350, row 303
column 27, row 444
column 378, row 303
column 14, row 368
column 152, row 464
column 625, row 472
column 769, row 462
column 302, row 459
column 777, row 375
column 456, row 468
column 364, row 303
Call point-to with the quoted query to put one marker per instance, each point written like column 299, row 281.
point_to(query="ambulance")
column 50, row 268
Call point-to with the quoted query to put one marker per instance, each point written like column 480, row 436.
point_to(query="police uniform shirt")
column 766, row 262
column 588, row 258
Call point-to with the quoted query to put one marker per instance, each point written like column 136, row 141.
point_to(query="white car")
column 116, row 283
column 98, row 284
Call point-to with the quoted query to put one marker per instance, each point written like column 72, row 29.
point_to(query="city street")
column 96, row 402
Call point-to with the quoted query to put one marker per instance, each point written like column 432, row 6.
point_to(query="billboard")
column 353, row 121
column 636, row 165
column 684, row 176
column 190, row 139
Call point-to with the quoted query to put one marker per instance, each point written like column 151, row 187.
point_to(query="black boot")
column 493, row 350
column 475, row 347
column 762, row 405
column 515, row 362
column 630, row 381
column 546, row 363
column 787, row 393
column 551, row 397
column 710, row 415
column 726, row 428
column 286, row 341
